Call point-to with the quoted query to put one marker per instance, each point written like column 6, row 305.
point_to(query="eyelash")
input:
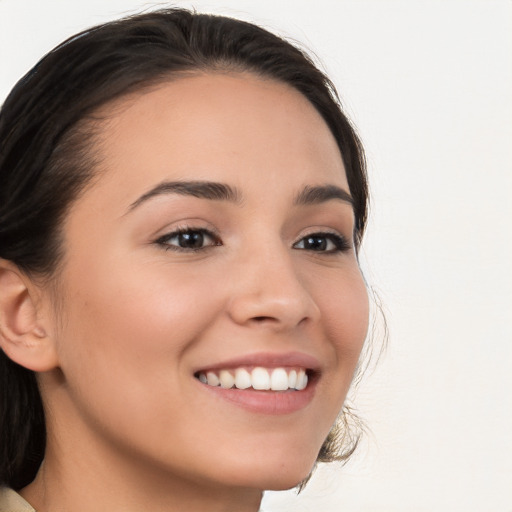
column 340, row 243
column 165, row 239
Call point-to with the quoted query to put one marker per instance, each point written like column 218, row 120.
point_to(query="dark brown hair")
column 47, row 158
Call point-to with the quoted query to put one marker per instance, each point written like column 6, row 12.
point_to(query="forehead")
column 220, row 127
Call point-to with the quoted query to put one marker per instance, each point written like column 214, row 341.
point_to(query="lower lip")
column 265, row 402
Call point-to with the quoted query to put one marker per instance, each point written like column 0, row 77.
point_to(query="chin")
column 274, row 472
column 277, row 479
column 285, row 484
column 282, row 479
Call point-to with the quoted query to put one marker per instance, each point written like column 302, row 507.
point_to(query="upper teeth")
column 276, row 379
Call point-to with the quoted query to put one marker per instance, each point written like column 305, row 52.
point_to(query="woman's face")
column 216, row 240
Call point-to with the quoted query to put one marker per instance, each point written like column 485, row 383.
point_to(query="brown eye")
column 316, row 243
column 188, row 240
column 322, row 242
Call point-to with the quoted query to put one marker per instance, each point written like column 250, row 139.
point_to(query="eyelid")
column 341, row 242
column 182, row 225
column 319, row 230
column 162, row 240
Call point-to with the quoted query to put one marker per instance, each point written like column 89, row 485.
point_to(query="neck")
column 86, row 470
column 100, row 483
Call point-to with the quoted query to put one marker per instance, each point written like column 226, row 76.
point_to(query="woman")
column 181, row 306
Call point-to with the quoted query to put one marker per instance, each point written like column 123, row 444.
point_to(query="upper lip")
column 267, row 360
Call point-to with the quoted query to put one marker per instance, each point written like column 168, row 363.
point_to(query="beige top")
column 11, row 501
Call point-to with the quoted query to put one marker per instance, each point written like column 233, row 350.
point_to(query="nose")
column 268, row 290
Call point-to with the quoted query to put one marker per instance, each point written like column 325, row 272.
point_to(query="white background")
column 429, row 85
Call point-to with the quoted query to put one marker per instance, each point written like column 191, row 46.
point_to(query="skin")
column 129, row 426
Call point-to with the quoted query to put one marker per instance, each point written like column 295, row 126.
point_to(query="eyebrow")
column 215, row 191
column 321, row 194
column 201, row 189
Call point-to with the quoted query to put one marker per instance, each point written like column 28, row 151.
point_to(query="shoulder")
column 11, row 501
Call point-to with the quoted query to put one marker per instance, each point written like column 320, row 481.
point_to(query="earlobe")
column 23, row 336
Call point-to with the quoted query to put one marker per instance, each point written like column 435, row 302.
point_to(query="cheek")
column 344, row 304
column 132, row 327
column 125, row 348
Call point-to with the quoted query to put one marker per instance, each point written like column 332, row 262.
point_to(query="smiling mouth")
column 259, row 378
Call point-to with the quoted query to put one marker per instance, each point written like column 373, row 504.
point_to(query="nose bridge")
column 269, row 288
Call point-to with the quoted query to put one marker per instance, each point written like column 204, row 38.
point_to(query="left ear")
column 23, row 335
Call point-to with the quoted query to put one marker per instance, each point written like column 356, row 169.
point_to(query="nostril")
column 263, row 318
